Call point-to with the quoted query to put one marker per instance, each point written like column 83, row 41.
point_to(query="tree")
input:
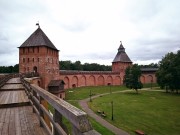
column 168, row 74
column 65, row 65
column 152, row 65
column 16, row 68
column 9, row 69
column 132, row 77
column 68, row 65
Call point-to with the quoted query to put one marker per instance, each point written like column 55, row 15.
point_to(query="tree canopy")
column 132, row 77
column 9, row 69
column 151, row 65
column 68, row 65
column 168, row 74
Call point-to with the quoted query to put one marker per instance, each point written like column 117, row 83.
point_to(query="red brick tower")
column 121, row 61
column 38, row 54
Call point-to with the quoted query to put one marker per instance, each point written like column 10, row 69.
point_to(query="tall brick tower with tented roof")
column 38, row 54
column 121, row 61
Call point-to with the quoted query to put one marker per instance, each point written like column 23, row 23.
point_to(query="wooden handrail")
column 4, row 79
column 77, row 117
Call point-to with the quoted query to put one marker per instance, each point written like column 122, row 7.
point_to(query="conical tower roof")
column 121, row 56
column 38, row 38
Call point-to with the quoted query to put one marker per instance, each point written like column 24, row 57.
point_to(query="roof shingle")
column 38, row 38
column 56, row 83
column 121, row 56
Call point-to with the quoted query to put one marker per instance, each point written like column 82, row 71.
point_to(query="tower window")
column 23, row 60
column 28, row 60
column 38, row 49
column 33, row 59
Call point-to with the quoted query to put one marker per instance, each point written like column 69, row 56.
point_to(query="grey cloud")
column 108, row 56
column 76, row 26
column 155, row 49
column 157, row 21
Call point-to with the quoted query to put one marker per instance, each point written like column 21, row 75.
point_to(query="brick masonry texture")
column 44, row 59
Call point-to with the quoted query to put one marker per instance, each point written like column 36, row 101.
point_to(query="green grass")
column 152, row 112
column 96, row 126
column 84, row 92
column 148, row 85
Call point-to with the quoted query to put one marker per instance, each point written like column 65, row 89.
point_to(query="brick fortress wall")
column 43, row 60
column 38, row 54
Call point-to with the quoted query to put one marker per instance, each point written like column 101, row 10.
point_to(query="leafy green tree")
column 78, row 65
column 16, row 68
column 65, row 65
column 168, row 74
column 68, row 65
column 152, row 65
column 9, row 69
column 132, row 77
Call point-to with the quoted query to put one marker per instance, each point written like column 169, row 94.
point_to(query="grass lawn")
column 98, row 127
column 152, row 112
column 84, row 92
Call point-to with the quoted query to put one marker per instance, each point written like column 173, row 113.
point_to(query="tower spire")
column 121, row 48
column 37, row 24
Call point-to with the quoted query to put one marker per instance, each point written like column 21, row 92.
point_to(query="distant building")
column 38, row 54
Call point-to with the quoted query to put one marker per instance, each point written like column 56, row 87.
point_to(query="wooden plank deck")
column 13, row 98
column 16, row 118
column 19, row 121
column 14, row 81
column 12, row 87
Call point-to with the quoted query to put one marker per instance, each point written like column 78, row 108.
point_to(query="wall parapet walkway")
column 77, row 117
column 72, row 72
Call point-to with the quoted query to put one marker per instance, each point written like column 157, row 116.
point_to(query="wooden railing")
column 78, row 118
column 5, row 78
column 30, row 74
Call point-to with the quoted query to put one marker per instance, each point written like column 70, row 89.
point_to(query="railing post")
column 40, row 111
column 34, row 95
column 75, row 131
column 57, row 117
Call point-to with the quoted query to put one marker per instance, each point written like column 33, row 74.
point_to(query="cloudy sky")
column 90, row 30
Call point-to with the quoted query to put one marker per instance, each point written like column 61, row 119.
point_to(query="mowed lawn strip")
column 150, row 111
column 84, row 92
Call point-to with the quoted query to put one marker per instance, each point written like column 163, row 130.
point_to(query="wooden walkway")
column 16, row 115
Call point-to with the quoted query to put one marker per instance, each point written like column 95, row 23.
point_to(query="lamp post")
column 151, row 83
column 112, row 117
column 90, row 96
column 110, row 88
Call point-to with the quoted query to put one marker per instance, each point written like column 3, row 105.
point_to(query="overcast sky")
column 90, row 30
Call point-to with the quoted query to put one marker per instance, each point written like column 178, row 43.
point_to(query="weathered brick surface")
column 80, row 80
column 46, row 61
column 43, row 60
